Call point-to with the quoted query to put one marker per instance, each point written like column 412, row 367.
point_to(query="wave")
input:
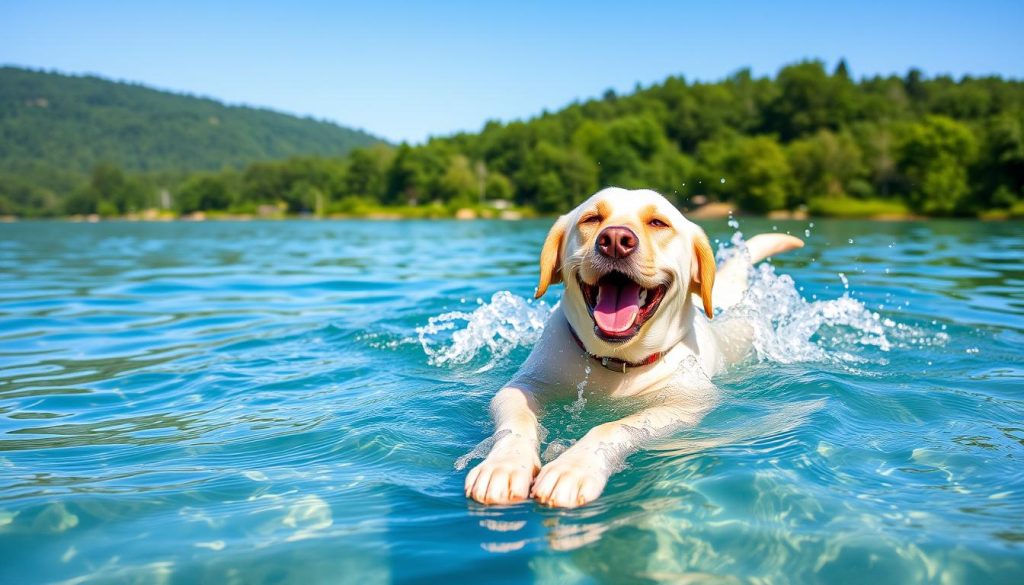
column 787, row 327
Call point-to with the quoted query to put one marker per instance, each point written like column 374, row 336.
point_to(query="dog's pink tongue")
column 617, row 306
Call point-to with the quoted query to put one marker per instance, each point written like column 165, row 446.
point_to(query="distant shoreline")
column 708, row 212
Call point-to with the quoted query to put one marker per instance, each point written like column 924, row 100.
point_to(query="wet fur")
column 677, row 255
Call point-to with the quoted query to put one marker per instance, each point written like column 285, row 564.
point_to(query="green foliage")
column 825, row 164
column 109, row 192
column 459, row 184
column 840, row 146
column 935, row 154
column 368, row 172
column 498, row 187
column 810, row 99
column 203, row 193
column 55, row 129
column 755, row 171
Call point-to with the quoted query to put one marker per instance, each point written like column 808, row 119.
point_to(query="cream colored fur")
column 676, row 254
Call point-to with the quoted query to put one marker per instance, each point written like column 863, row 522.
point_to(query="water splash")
column 580, row 403
column 556, row 448
column 481, row 450
column 787, row 327
column 494, row 328
column 790, row 329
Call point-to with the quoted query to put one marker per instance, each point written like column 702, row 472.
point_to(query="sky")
column 409, row 70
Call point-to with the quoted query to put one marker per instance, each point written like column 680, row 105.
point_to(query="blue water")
column 273, row 403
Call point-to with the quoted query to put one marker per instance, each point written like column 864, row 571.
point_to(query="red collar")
column 615, row 364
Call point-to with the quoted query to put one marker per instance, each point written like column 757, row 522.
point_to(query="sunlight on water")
column 285, row 402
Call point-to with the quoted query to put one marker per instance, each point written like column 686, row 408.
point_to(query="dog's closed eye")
column 657, row 223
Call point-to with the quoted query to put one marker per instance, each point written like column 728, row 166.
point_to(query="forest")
column 56, row 131
column 811, row 137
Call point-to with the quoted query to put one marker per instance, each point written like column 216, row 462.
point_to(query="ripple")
column 249, row 402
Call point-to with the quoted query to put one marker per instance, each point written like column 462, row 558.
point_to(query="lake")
column 286, row 402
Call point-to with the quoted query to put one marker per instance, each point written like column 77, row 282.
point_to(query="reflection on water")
column 251, row 402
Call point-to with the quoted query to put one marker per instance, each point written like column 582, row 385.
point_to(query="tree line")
column 808, row 137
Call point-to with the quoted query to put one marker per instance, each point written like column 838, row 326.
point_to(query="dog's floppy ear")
column 702, row 269
column 550, row 270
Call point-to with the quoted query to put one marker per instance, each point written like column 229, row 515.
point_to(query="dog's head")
column 630, row 262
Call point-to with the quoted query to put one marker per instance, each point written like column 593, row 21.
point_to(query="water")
column 286, row 403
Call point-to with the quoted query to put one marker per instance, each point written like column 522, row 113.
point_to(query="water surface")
column 284, row 402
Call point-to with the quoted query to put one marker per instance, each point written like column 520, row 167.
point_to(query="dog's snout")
column 616, row 242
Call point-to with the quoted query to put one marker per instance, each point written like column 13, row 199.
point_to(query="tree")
column 459, row 185
column 809, row 100
column 842, row 71
column 998, row 177
column 937, row 144
column 877, row 144
column 108, row 192
column 415, row 173
column 751, row 171
column 203, row 193
column 935, row 155
column 824, row 164
column 367, row 172
column 498, row 187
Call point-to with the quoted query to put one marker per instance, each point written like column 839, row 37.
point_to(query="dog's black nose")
column 616, row 242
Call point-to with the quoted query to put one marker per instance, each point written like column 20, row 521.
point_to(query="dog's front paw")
column 501, row 479
column 568, row 482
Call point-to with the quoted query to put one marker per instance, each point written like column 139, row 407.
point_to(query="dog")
column 637, row 275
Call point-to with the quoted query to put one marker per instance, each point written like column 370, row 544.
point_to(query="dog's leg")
column 505, row 475
column 578, row 475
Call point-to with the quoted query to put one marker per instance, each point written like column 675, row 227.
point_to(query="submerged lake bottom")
column 299, row 402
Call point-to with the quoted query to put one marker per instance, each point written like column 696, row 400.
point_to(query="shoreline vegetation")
column 845, row 208
column 807, row 142
column 872, row 211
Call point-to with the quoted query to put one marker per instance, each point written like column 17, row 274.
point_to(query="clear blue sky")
column 406, row 70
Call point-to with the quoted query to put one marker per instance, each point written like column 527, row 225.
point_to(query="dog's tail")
column 731, row 278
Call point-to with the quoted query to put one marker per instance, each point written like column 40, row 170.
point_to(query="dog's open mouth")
column 619, row 306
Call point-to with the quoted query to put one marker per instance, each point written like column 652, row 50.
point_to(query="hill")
column 55, row 128
column 807, row 138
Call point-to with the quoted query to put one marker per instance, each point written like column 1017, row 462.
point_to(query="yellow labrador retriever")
column 635, row 271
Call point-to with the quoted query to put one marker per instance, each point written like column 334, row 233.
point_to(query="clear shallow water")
column 253, row 402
